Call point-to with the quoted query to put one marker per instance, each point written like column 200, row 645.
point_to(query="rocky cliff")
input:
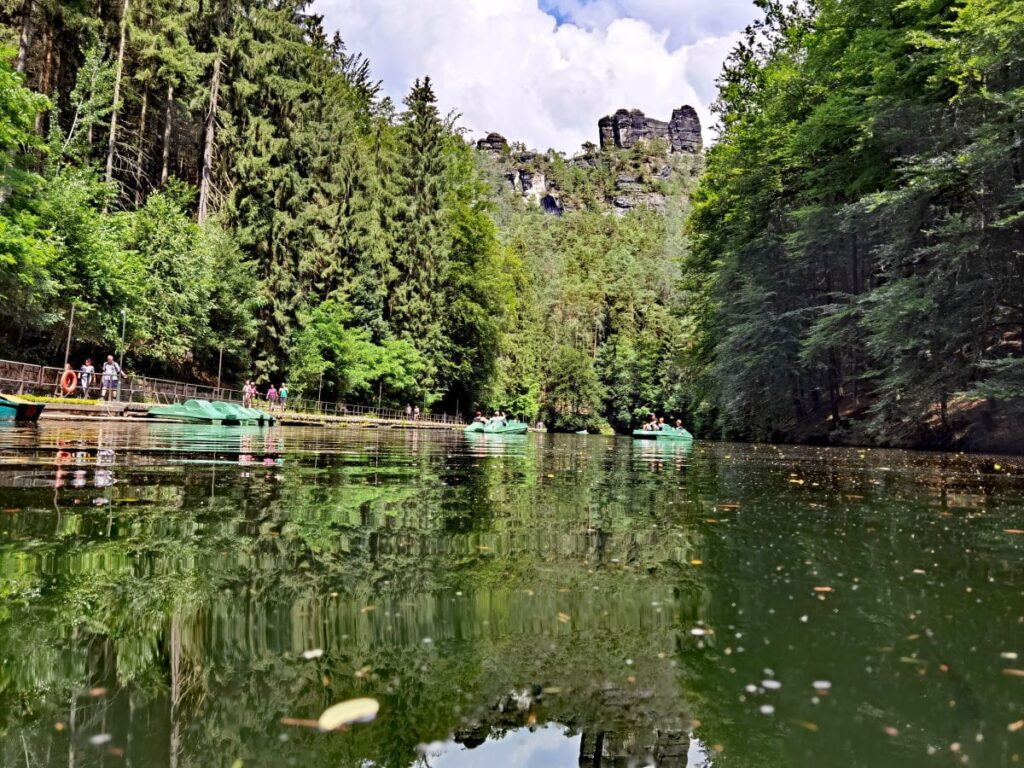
column 629, row 179
column 628, row 126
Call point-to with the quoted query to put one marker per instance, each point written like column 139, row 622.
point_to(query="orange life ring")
column 68, row 382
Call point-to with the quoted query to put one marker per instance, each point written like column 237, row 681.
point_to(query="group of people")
column 656, row 424
column 499, row 417
column 277, row 397
column 82, row 380
column 412, row 412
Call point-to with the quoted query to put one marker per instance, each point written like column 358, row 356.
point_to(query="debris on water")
column 1016, row 726
column 889, row 730
column 823, row 589
column 299, row 722
column 808, row 726
column 771, row 685
column 99, row 739
column 696, row 562
column 348, row 712
column 368, row 608
column 1014, row 672
column 1010, row 655
column 564, row 617
column 821, row 685
column 95, row 693
column 313, row 653
column 767, row 709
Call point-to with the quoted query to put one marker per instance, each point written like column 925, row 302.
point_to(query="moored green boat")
column 665, row 433
column 205, row 412
column 476, row 426
column 191, row 412
column 15, row 409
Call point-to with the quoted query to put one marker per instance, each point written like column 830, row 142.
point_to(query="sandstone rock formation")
column 628, row 126
column 493, row 142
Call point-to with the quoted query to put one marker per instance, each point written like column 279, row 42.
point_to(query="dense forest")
column 846, row 263
column 857, row 259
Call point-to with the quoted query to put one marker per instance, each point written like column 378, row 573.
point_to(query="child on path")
column 85, row 374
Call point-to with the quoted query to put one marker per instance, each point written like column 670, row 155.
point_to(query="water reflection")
column 171, row 592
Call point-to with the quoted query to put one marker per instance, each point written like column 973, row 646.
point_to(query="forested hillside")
column 228, row 176
column 857, row 265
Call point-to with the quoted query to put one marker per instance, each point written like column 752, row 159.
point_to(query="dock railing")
column 29, row 379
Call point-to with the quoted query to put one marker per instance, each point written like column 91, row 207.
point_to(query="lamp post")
column 120, row 364
column 220, row 366
column 71, row 324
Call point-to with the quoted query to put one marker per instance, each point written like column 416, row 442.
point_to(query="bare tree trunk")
column 25, row 38
column 118, row 69
column 206, row 170
column 139, row 155
column 168, row 115
column 45, row 76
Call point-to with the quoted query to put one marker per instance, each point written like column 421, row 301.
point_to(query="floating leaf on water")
column 368, row 608
column 313, row 653
column 553, row 690
column 1014, row 727
column 348, row 712
column 696, row 562
column 97, row 692
column 823, row 589
column 1013, row 531
column 1014, row 672
column 564, row 617
column 807, row 726
column 891, row 731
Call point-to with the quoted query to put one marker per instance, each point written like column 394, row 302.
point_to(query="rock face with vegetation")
column 626, row 127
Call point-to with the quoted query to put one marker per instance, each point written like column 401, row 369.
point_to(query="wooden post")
column 71, row 324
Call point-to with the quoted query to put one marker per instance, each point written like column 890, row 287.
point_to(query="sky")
column 544, row 71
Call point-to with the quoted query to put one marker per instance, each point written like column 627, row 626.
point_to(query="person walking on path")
column 247, row 393
column 111, row 377
column 272, row 398
column 85, row 374
column 283, row 394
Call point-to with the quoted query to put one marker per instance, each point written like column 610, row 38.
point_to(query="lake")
column 176, row 595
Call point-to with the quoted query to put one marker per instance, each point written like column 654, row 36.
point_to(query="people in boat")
column 499, row 419
column 651, row 424
column 679, row 424
column 480, row 418
column 661, row 424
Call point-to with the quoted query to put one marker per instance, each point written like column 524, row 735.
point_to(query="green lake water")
column 191, row 596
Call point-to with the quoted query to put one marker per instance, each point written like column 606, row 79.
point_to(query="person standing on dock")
column 416, row 413
column 85, row 374
column 408, row 411
column 111, row 376
column 272, row 398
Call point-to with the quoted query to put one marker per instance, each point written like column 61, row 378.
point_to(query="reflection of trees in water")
column 192, row 607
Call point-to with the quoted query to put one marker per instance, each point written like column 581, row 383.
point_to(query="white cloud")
column 512, row 67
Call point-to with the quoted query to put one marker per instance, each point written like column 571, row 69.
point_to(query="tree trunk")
column 168, row 115
column 25, row 38
column 45, row 76
column 206, row 170
column 139, row 155
column 118, row 69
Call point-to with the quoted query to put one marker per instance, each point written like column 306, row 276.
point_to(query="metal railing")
column 29, row 379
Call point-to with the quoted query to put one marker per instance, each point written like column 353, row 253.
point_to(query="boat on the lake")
column 17, row 409
column 205, row 412
column 509, row 427
column 476, row 426
column 665, row 433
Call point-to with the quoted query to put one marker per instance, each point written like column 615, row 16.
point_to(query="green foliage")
column 855, row 241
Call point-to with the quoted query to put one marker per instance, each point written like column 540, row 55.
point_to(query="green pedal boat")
column 205, row 412
column 667, row 433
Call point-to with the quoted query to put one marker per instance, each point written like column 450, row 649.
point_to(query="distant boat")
column 16, row 409
column 665, row 433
